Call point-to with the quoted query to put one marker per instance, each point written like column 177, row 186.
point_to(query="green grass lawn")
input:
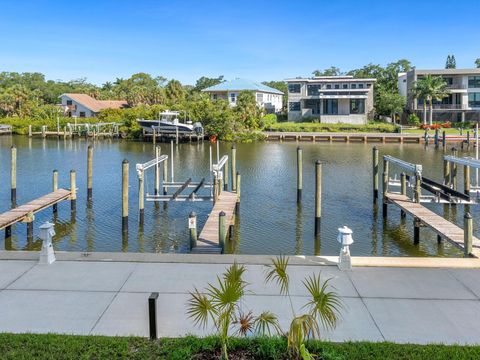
column 432, row 132
column 30, row 346
column 322, row 127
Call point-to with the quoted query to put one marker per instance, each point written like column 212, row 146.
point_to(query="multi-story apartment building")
column 331, row 99
column 267, row 97
column 462, row 102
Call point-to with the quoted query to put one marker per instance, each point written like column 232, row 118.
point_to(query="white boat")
column 168, row 123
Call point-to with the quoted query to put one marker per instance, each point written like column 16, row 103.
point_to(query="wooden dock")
column 23, row 213
column 442, row 227
column 343, row 137
column 208, row 241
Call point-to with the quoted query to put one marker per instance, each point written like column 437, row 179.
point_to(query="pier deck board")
column 208, row 241
column 19, row 213
column 435, row 222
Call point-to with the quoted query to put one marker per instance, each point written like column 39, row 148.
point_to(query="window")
column 214, row 96
column 474, row 99
column 353, row 86
column 448, row 80
column 329, row 86
column 294, row 106
column 357, row 106
column 345, row 86
column 474, row 81
column 233, row 98
column 370, row 85
column 259, row 98
column 330, row 107
column 82, row 114
column 313, row 90
column 294, row 88
column 337, row 86
column 69, row 102
column 360, row 86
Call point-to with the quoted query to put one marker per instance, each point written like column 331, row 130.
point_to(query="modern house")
column 268, row 98
column 331, row 99
column 83, row 105
column 462, row 102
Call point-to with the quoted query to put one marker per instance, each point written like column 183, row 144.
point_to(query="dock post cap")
column 318, row 162
column 125, row 161
column 90, row 147
column 299, row 148
column 192, row 214
column 13, row 146
column 222, row 213
column 72, row 171
column 467, row 216
column 234, row 146
column 375, row 147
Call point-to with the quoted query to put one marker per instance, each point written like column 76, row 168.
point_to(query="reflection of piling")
column 125, row 195
column 446, row 172
column 318, row 196
column 73, row 191
column 467, row 234
column 416, row 231
column 154, row 136
column 13, row 176
column 375, row 174
column 234, row 167
column 454, row 170
column 55, row 188
column 299, row 174
column 444, row 140
column 89, row 172
column 436, row 138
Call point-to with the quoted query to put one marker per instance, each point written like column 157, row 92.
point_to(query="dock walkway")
column 442, row 227
column 208, row 241
column 22, row 212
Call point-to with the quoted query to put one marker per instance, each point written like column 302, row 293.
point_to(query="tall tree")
column 433, row 88
column 205, row 82
column 451, row 62
column 477, row 63
column 331, row 71
column 174, row 91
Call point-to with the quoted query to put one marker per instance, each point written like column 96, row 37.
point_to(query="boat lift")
column 216, row 177
column 441, row 193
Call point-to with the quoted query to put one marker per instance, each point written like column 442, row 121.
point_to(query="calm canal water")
column 270, row 221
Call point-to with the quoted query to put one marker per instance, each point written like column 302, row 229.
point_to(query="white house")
column 268, row 98
column 83, row 105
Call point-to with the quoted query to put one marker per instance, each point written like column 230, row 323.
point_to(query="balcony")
column 449, row 106
column 456, row 86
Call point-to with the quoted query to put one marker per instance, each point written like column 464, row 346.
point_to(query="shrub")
column 268, row 120
column 413, row 119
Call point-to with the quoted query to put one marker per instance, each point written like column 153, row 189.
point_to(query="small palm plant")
column 323, row 308
column 222, row 305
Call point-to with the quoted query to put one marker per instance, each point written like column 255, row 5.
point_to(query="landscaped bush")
column 268, row 120
column 339, row 127
column 414, row 120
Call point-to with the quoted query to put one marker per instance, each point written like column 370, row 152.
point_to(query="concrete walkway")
column 109, row 297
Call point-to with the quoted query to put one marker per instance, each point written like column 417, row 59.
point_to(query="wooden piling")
column 29, row 221
column 141, row 198
column 416, row 231
column 467, row 234
column 29, row 130
column 237, row 205
column 446, row 172
column 73, row 191
column 418, row 187
column 125, row 195
column 436, row 138
column 375, row 174
column 403, row 191
column 299, row 174
column 318, row 196
column 158, row 151
column 234, row 167
column 192, row 226
column 466, row 179
column 154, row 136
column 454, row 170
column 89, row 172
column 55, row 188
column 13, row 176
column 444, row 140
column 468, row 139
column 222, row 230
column 176, row 137
column 385, row 188
column 225, row 176
column 165, row 175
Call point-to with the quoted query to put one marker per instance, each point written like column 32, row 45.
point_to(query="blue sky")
column 258, row 40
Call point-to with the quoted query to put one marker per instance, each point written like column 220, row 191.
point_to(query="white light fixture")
column 345, row 239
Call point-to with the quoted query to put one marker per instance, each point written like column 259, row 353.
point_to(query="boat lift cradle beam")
column 413, row 168
column 466, row 161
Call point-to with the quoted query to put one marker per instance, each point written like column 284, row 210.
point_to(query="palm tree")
column 430, row 88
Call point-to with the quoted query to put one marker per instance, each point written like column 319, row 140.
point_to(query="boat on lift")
column 168, row 123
